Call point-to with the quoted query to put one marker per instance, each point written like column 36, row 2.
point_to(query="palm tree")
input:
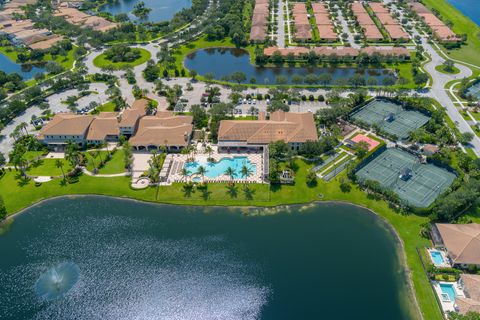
column 201, row 170
column 184, row 174
column 246, row 172
column 231, row 173
column 209, row 151
column 153, row 174
column 23, row 126
column 59, row 165
column 72, row 154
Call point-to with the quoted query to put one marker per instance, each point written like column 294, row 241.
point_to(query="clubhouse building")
column 146, row 132
column 292, row 128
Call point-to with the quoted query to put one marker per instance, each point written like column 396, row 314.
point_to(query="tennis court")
column 416, row 183
column 391, row 118
column 474, row 90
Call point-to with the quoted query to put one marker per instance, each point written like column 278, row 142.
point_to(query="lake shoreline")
column 401, row 252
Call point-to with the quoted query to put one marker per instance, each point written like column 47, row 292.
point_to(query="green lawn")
column 441, row 68
column 101, row 60
column 107, row 107
column 112, row 166
column 461, row 25
column 408, row 226
column 47, row 167
column 64, row 61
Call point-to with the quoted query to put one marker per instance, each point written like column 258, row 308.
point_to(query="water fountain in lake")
column 57, row 281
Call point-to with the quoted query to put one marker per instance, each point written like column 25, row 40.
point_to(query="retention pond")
column 104, row 258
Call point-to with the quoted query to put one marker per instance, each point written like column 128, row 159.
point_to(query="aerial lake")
column 161, row 9
column 470, row 8
column 105, row 258
column 223, row 62
column 26, row 71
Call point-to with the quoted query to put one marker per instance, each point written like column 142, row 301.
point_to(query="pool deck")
column 178, row 161
column 447, row 304
column 446, row 261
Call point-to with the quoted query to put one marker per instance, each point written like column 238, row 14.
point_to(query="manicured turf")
column 441, row 68
column 408, row 226
column 112, row 166
column 47, row 167
column 107, row 107
column 101, row 61
column 461, row 25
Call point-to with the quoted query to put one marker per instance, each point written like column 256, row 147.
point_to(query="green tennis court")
column 390, row 117
column 400, row 171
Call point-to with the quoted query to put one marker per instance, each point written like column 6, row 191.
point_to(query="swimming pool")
column 437, row 257
column 449, row 290
column 216, row 169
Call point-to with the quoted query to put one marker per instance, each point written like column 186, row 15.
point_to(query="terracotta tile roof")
column 418, row 7
column 106, row 124
column 385, row 51
column 164, row 129
column 471, row 284
column 364, row 19
column 258, row 33
column 130, row 116
column 378, row 7
column 462, row 241
column 45, row 44
column 287, row 126
column 67, row 124
column 303, row 32
column 299, row 8
column 372, row 32
column 327, row 32
column 466, row 305
column 386, row 18
column 322, row 18
column 357, row 7
column 339, row 51
column 259, row 19
column 396, row 32
column 319, row 8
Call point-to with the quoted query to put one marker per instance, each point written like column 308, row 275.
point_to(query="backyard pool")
column 437, row 257
column 449, row 290
column 216, row 169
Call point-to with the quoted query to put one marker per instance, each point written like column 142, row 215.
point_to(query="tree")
column 246, row 172
column 201, row 170
column 311, row 179
column 193, row 74
column 231, row 173
column 277, row 105
column 151, row 107
column 151, row 72
column 59, row 165
column 3, row 209
column 362, row 149
column 72, row 154
column 466, row 137
column 448, row 65
column 238, row 77
column 468, row 316
column 184, row 174
column 200, row 118
column 3, row 161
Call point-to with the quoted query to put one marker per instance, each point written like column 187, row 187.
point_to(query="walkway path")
column 280, row 25
column 88, row 173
